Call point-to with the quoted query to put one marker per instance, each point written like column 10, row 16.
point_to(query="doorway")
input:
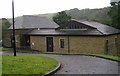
column 49, row 44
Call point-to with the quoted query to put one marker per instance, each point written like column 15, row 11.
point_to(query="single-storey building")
column 42, row 34
column 23, row 25
column 77, row 37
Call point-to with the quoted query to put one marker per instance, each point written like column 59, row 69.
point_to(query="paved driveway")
column 76, row 64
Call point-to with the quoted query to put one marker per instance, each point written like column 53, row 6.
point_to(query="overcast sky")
column 30, row 7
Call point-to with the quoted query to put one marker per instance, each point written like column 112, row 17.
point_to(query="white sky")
column 29, row 7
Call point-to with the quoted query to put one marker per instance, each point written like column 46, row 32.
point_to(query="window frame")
column 61, row 44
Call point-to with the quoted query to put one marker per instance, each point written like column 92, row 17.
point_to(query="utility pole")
column 13, row 41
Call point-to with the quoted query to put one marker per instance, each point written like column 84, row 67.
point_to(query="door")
column 25, row 41
column 49, row 43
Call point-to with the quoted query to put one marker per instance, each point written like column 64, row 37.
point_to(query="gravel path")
column 76, row 64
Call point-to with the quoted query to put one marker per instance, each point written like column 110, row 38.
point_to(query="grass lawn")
column 0, row 65
column 27, row 64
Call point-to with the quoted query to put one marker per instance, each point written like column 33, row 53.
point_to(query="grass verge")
column 116, row 58
column 0, row 48
column 5, row 49
column 27, row 64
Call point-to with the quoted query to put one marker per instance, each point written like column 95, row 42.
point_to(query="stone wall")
column 78, row 44
column 7, row 35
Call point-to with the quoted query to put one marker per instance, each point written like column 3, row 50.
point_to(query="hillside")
column 99, row 15
column 49, row 15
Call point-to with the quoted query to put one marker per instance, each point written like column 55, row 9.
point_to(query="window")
column 62, row 43
column 78, row 27
column 16, row 38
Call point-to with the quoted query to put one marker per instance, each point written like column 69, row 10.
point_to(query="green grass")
column 0, row 49
column 0, row 65
column 5, row 49
column 109, row 56
column 117, row 58
column 27, row 64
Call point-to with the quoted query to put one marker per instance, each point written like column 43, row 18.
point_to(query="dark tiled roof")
column 98, row 29
column 101, row 27
column 65, row 32
column 30, row 21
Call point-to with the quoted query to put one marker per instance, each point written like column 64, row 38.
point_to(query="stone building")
column 24, row 25
column 42, row 34
column 77, row 37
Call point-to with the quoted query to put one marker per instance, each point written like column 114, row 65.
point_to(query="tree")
column 114, row 14
column 61, row 18
column 5, row 23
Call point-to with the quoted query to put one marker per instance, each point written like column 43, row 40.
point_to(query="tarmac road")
column 77, row 64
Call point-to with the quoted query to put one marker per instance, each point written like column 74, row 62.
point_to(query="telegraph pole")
column 13, row 41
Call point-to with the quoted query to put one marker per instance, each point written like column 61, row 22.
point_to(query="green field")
column 27, row 64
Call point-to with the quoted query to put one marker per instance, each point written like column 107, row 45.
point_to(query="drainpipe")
column 116, row 44
column 68, row 45
column 106, row 46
